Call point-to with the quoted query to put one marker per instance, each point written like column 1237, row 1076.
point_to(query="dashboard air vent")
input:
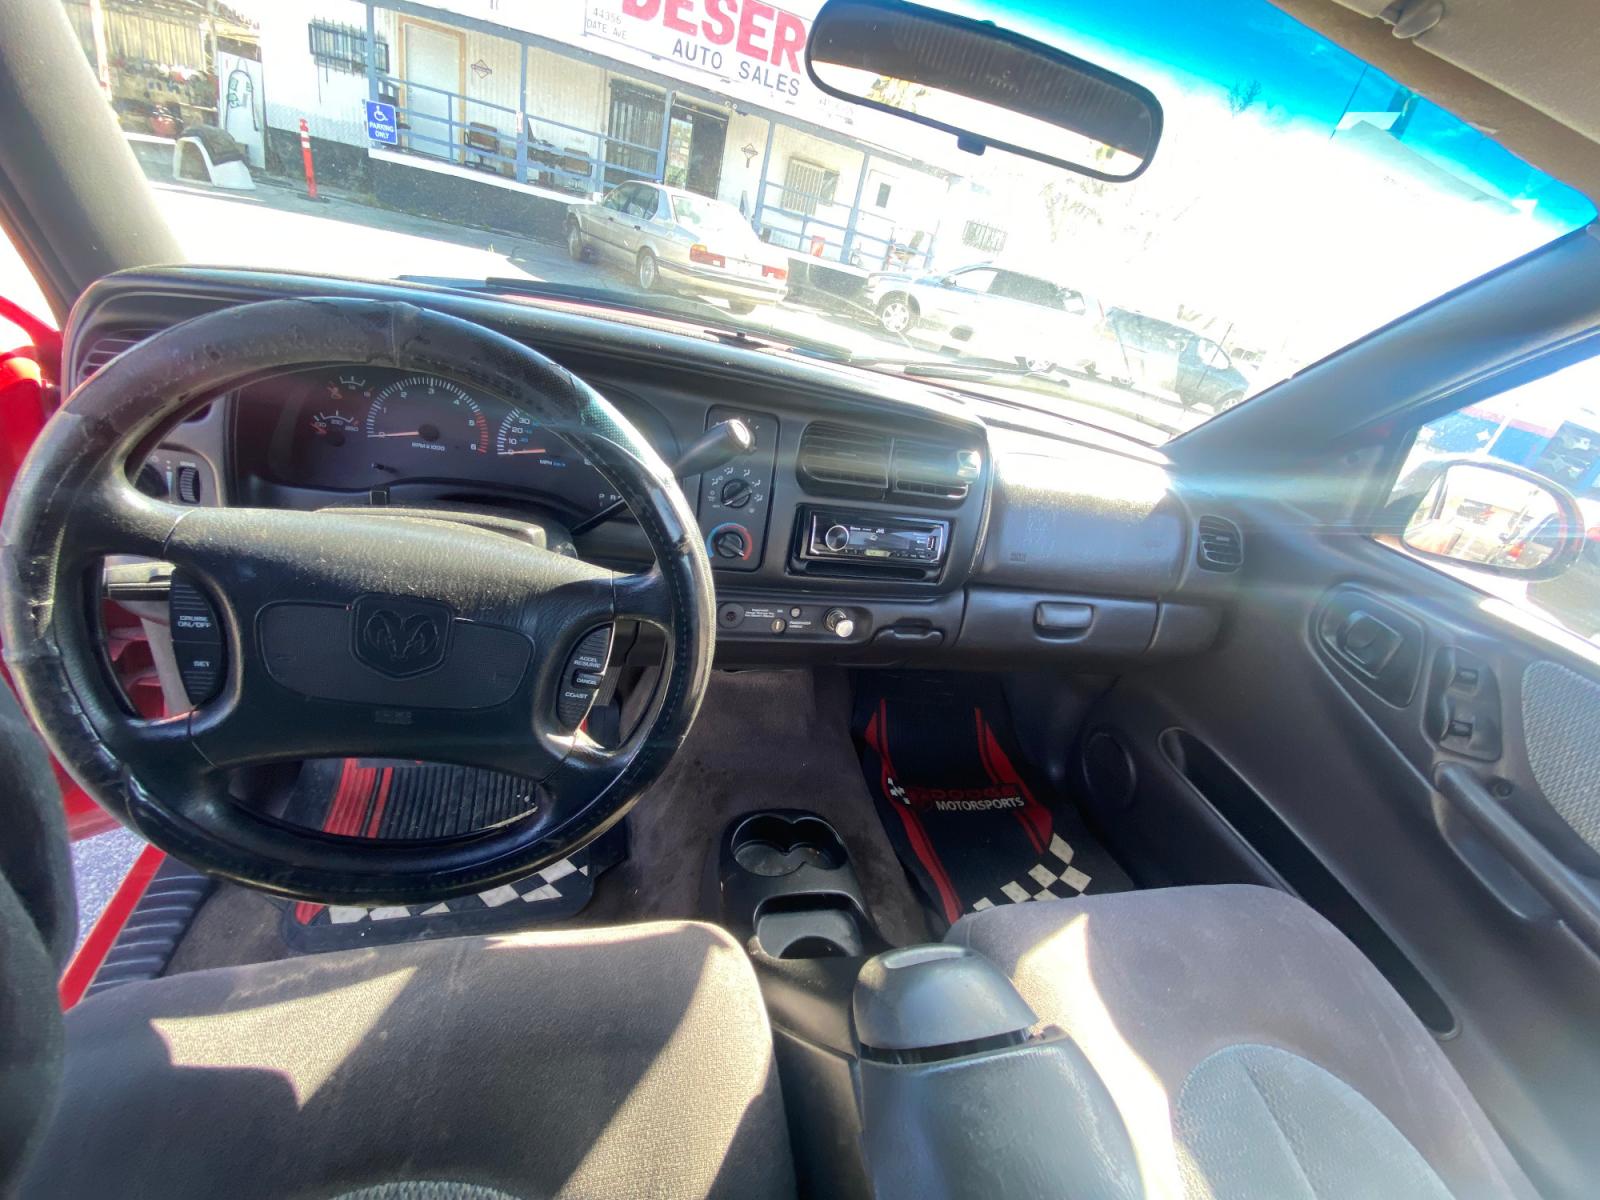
column 930, row 471
column 1220, row 546
column 107, row 346
column 838, row 461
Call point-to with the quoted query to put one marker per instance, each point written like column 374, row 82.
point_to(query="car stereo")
column 870, row 538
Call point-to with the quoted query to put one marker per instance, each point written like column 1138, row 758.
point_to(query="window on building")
column 990, row 239
column 883, row 196
column 808, row 186
column 344, row 48
column 634, row 126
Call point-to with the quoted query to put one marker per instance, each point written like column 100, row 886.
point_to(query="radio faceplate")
column 873, row 539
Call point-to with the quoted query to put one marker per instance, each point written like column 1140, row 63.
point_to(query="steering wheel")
column 347, row 632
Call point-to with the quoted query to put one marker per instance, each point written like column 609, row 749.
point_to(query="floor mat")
column 386, row 798
column 763, row 739
column 968, row 821
column 148, row 939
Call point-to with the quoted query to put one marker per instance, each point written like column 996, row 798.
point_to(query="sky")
column 1186, row 47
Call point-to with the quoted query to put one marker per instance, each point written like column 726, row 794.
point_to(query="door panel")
column 1338, row 699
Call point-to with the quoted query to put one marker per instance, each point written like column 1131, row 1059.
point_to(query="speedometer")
column 425, row 412
column 520, row 435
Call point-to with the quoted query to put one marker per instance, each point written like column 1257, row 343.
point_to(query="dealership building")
column 513, row 110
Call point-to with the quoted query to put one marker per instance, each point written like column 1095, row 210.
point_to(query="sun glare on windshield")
column 675, row 154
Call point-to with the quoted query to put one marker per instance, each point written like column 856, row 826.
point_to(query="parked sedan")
column 673, row 240
column 1157, row 355
column 989, row 312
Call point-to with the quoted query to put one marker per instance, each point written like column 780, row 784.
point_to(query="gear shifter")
column 723, row 442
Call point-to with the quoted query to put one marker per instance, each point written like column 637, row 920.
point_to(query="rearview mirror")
column 986, row 85
column 1494, row 517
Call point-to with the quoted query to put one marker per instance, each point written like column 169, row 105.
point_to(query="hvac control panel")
column 735, row 497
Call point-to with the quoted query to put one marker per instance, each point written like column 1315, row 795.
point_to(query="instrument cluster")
column 350, row 428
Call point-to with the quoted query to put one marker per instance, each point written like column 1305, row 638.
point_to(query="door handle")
column 1574, row 897
column 1367, row 643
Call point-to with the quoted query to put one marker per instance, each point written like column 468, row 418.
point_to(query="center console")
column 913, row 1072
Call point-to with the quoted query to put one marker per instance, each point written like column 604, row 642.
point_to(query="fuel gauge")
column 336, row 419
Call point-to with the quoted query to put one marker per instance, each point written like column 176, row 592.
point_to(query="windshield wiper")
column 711, row 319
column 939, row 368
column 538, row 289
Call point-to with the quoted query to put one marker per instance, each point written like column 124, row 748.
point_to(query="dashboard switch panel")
column 796, row 621
column 735, row 497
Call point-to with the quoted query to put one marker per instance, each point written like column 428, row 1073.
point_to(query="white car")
column 987, row 311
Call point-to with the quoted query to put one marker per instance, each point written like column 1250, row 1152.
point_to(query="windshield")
column 1298, row 200
column 707, row 216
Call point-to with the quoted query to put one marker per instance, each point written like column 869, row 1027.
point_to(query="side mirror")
column 986, row 85
column 1492, row 517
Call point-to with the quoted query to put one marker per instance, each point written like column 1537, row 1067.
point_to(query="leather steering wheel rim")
column 73, row 504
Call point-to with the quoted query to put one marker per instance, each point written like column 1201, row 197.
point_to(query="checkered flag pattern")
column 554, row 882
column 1051, row 878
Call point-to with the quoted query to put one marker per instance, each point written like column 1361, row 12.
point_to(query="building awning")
column 667, row 83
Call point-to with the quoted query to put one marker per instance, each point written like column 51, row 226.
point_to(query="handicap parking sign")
column 381, row 123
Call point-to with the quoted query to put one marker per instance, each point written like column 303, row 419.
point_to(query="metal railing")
column 525, row 155
column 532, row 154
column 863, row 239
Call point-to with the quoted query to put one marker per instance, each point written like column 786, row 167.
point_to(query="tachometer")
column 423, row 412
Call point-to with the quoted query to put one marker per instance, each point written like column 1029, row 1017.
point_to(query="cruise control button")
column 190, row 611
column 584, row 674
column 196, row 639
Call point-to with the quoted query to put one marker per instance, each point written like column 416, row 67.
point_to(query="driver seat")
column 634, row 1061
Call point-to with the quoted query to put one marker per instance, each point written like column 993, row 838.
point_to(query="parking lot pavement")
column 277, row 227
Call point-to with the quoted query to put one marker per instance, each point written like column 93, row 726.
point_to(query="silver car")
column 675, row 240
column 988, row 311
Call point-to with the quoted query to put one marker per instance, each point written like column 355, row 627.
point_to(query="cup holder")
column 772, row 846
column 784, row 879
column 810, row 927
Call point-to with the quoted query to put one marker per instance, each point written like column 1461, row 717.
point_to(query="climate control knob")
column 730, row 541
column 737, row 493
column 837, row 537
column 839, row 623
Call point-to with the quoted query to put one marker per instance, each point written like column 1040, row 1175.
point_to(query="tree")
column 896, row 93
column 1243, row 94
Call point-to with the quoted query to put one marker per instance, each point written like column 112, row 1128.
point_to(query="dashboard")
column 352, row 429
column 875, row 520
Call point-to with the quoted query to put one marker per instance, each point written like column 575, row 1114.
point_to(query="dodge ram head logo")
column 399, row 636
